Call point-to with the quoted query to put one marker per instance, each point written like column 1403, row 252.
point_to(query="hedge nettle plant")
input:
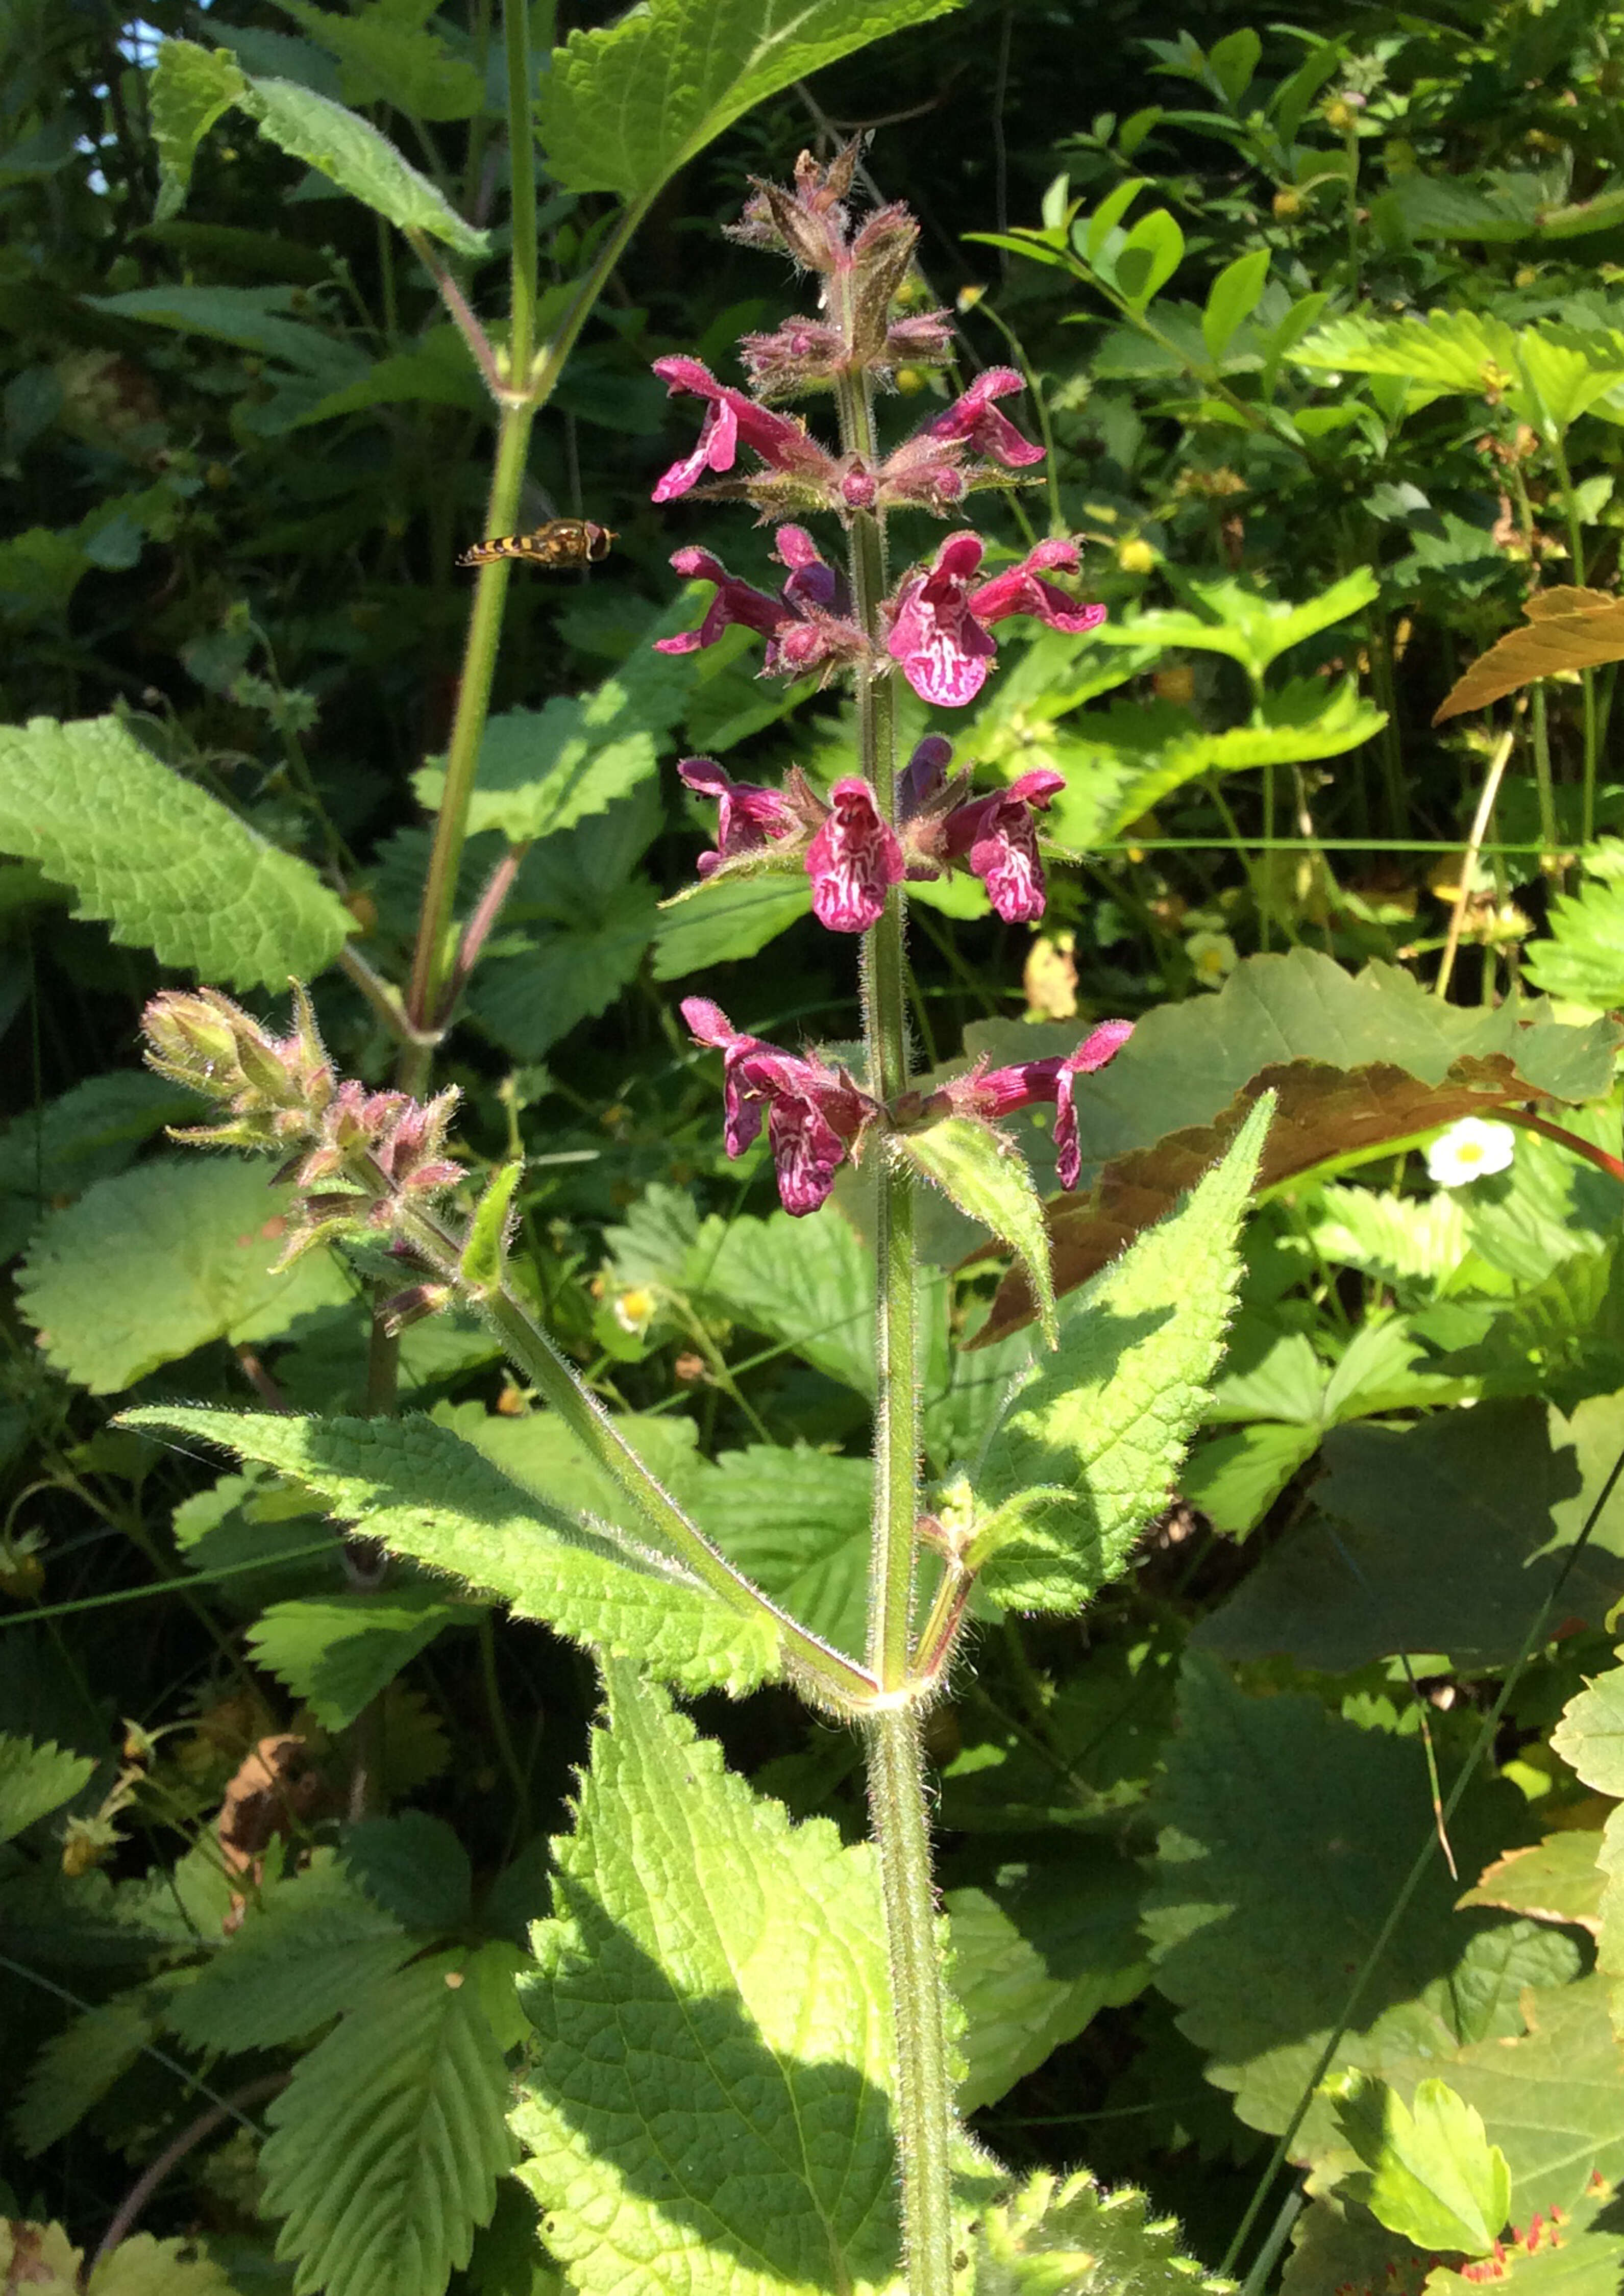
column 1057, row 1496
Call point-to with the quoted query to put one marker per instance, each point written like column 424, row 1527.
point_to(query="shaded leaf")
column 35, row 1780
column 1555, row 1879
column 78, row 2066
column 161, row 1259
column 1583, row 957
column 351, row 152
column 987, row 1179
column 168, row 866
column 543, row 770
column 336, row 1653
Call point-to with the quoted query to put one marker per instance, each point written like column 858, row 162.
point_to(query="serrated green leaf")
column 387, row 2144
column 1288, row 1834
column 53, row 1154
column 1433, row 2174
column 1590, row 1736
column 624, row 108
column 1555, row 1879
column 35, row 1780
column 1069, row 2237
column 352, row 154
column 1503, row 1491
column 144, row 2266
column 414, row 1867
column 541, row 771
column 988, row 1180
column 1583, row 960
column 1235, row 1478
column 189, row 89
column 1032, row 1965
column 78, row 2066
column 1087, row 1450
column 1234, row 620
column 551, row 978
column 337, row 1651
column 709, row 2102
column 307, row 1950
column 394, row 60
column 168, row 866
column 161, row 1259
column 1580, row 2254
column 425, row 1493
column 796, row 1520
column 725, row 919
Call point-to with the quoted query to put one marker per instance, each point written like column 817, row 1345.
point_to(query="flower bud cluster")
column 356, row 1156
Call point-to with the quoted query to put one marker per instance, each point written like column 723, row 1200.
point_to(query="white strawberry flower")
column 1470, row 1150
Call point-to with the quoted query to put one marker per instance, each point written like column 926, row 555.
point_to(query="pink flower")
column 854, row 860
column 1000, row 838
column 990, row 1094
column 734, row 416
column 813, row 1113
column 748, row 818
column 938, row 631
column 805, row 625
column 974, row 418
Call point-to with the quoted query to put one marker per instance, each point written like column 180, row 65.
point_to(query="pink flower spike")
column 747, row 817
column 1000, row 838
column 854, row 860
column 1020, row 590
column 1101, row 1044
column 935, row 635
column 735, row 601
column 975, row 418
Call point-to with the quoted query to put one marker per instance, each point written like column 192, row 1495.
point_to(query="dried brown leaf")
column 1567, row 630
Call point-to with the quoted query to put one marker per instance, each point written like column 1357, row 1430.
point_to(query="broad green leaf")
column 1590, row 1736
column 796, row 1522
column 425, row 1493
column 1397, row 1239
column 1548, row 376
column 708, row 2102
column 35, row 1780
column 439, row 372
column 549, row 978
column 1580, row 2254
column 336, row 1653
column 1555, row 1879
column 726, row 919
column 1433, row 2174
column 346, row 149
column 543, row 770
column 168, row 866
column 807, row 1283
column 50, row 1155
column 401, row 62
column 1288, row 1833
column 1087, row 1450
column 1235, row 1478
column 1443, row 1536
column 1564, row 1340
column 255, row 318
column 1233, row 297
column 143, row 2266
column 414, row 1867
column 1148, row 257
column 309, row 1948
column 189, row 89
column 1069, row 2237
column 1034, row 1960
column 622, row 109
column 387, row 2144
column 78, row 2066
column 1583, row 960
column 162, row 1259
column 987, row 1179
column 1357, row 1061
column 1233, row 60
column 1234, row 619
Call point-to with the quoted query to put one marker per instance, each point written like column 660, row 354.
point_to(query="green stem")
column 895, row 1739
column 924, row 2102
column 1586, row 677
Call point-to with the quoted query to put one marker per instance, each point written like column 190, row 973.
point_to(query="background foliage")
column 1325, row 325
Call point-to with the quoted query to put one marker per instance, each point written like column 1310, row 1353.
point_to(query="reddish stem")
column 1587, row 1149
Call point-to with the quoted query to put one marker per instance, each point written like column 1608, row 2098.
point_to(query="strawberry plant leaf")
column 1432, row 2173
column 1066, row 2237
column 35, row 1780
column 336, row 1653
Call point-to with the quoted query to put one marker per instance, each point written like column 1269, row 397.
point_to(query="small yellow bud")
column 1287, row 204
column 1176, row 685
column 1136, row 557
column 969, row 297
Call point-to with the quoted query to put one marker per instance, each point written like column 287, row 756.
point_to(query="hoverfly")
column 561, row 544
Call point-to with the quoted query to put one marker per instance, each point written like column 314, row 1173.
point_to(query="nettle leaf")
column 1443, row 1536
column 190, row 88
column 337, row 1651
column 988, row 1180
column 709, row 2102
column 548, row 980
column 726, row 918
column 1087, row 1446
column 543, row 770
column 161, row 1259
column 78, row 2066
column 35, row 1780
column 1433, row 2174
column 387, row 58
column 1288, row 1832
column 50, row 1155
column 1035, row 1960
column 307, row 1949
column 412, row 1866
column 1567, row 630
column 1069, row 2237
column 796, row 1520
column 1357, row 1062
column 418, row 1488
column 351, row 153
column 387, row 2144
column 166, row 866
column 622, row 109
